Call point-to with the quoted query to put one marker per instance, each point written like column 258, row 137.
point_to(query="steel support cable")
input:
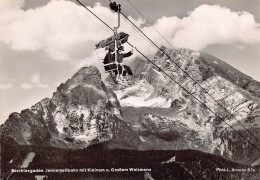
column 195, row 82
column 170, row 45
column 195, row 97
column 140, row 34
column 175, row 81
column 134, row 28
column 162, row 37
column 166, row 40
column 94, row 15
column 151, row 24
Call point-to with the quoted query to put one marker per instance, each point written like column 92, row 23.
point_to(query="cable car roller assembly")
column 113, row 42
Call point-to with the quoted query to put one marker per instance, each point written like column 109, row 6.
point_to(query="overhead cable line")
column 151, row 25
column 134, row 28
column 195, row 82
column 228, row 105
column 94, row 15
column 165, row 39
column 174, row 80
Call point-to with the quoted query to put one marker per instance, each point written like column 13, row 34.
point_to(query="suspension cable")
column 195, row 82
column 133, row 26
column 174, row 79
column 228, row 105
column 165, row 39
column 151, row 24
column 94, row 14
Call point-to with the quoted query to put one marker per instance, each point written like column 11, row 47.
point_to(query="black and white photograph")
column 130, row 89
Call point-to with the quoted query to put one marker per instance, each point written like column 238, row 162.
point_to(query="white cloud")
column 208, row 25
column 40, row 85
column 35, row 78
column 10, row 5
column 6, row 86
column 26, row 86
column 65, row 30
column 59, row 28
column 92, row 60
column 13, row 80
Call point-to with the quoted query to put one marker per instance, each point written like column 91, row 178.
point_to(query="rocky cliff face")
column 81, row 112
column 187, row 123
column 150, row 111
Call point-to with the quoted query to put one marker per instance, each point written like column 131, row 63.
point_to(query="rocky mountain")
column 167, row 117
column 81, row 112
column 150, row 113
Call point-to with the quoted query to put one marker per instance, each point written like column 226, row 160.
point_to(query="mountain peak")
column 81, row 112
column 86, row 76
column 84, row 111
column 87, row 72
column 167, row 105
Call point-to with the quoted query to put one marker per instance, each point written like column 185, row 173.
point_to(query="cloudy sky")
column 43, row 42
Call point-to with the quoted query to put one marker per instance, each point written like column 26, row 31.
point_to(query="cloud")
column 93, row 60
column 60, row 28
column 6, row 86
column 40, row 85
column 11, row 5
column 208, row 25
column 30, row 86
column 12, row 80
column 63, row 29
column 35, row 78
column 67, row 32
column 26, row 86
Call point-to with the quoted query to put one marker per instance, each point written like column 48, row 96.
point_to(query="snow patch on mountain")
column 60, row 120
column 141, row 95
column 173, row 159
column 28, row 160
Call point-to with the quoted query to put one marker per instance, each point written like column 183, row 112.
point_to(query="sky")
column 43, row 42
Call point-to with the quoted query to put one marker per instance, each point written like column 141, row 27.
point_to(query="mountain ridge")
column 155, row 90
column 82, row 111
column 150, row 111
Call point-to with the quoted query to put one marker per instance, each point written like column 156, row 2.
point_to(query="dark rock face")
column 81, row 112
